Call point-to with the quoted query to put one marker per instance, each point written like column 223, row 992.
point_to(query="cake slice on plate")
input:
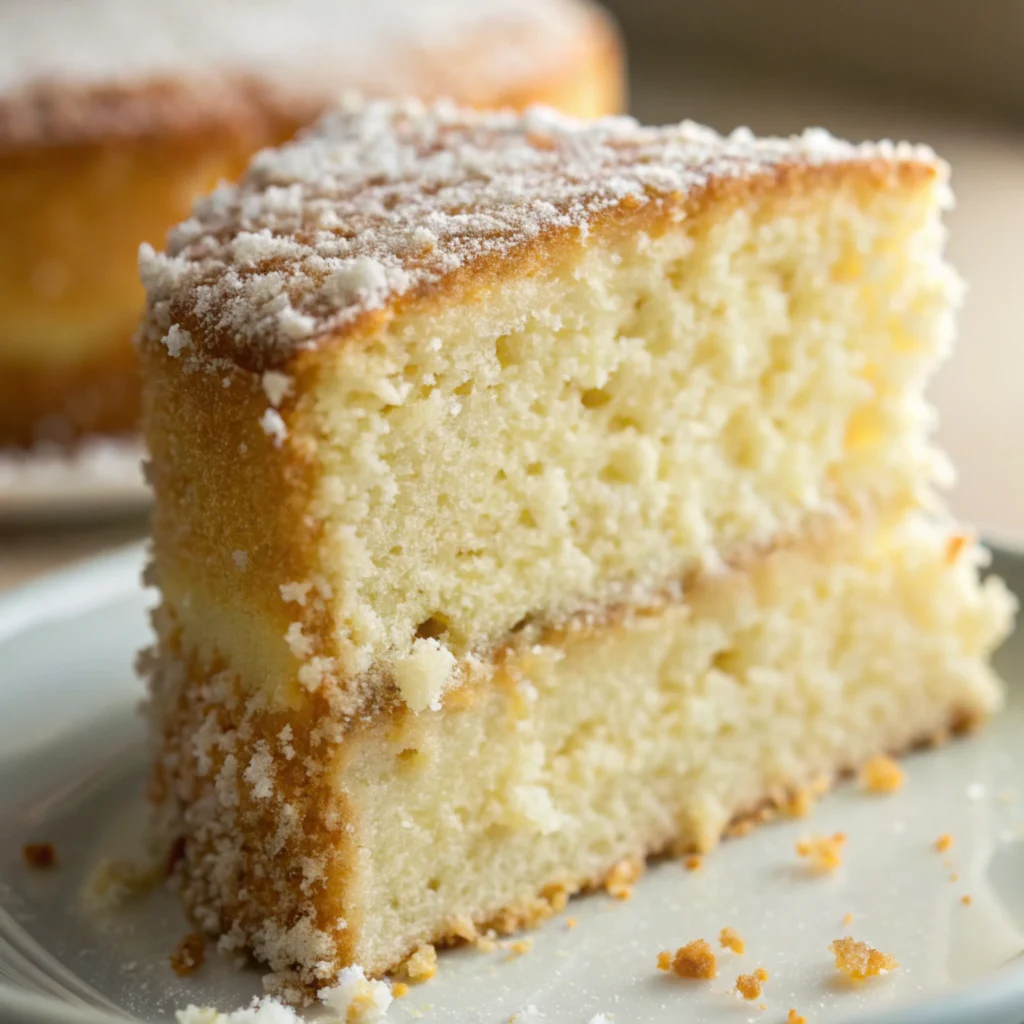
column 533, row 496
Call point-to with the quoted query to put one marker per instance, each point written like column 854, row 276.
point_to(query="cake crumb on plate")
column 858, row 960
column 694, row 960
column 39, row 855
column 622, row 877
column 189, row 954
column 881, row 775
column 749, row 985
column 422, row 964
column 729, row 938
column 823, row 853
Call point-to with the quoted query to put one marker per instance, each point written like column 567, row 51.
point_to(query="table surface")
column 980, row 391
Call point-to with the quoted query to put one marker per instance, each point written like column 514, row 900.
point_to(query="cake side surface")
column 605, row 414
column 591, row 744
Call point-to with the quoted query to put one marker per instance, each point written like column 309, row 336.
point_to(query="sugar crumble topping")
column 388, row 198
column 176, row 341
column 276, row 386
column 274, row 426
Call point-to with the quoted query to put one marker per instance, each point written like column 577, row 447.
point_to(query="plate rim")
column 101, row 579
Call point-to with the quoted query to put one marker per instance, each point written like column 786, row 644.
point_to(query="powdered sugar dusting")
column 384, row 199
column 369, row 44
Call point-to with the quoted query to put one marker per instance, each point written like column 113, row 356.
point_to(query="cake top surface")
column 388, row 199
column 378, row 46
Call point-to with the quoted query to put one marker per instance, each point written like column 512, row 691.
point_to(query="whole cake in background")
column 533, row 496
column 116, row 114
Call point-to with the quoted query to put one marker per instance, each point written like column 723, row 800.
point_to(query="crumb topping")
column 795, row 1018
column 823, row 853
column 749, row 985
column 858, row 960
column 729, row 938
column 39, row 855
column 694, row 960
column 943, row 843
column 399, row 989
column 881, row 775
column 189, row 954
column 386, row 199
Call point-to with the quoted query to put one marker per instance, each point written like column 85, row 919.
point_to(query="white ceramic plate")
column 72, row 764
column 98, row 478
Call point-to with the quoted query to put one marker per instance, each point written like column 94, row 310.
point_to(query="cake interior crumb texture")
column 532, row 496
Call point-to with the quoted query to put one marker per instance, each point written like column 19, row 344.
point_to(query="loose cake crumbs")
column 399, row 989
column 570, row 922
column 858, row 960
column 519, row 947
column 422, row 965
column 944, row 842
column 965, row 900
column 749, row 985
column 730, row 939
column 622, row 877
column 824, row 853
column 694, row 960
column 848, row 919
column 795, row 1018
column 954, row 877
column 881, row 775
column 39, row 855
column 188, row 957
column 693, row 863
column 113, row 882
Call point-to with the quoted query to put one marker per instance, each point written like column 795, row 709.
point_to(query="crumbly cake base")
column 314, row 842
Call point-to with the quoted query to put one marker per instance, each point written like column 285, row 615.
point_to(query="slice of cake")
column 533, row 496
column 116, row 114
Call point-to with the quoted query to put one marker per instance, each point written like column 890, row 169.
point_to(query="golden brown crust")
column 69, row 292
column 60, row 405
column 244, row 868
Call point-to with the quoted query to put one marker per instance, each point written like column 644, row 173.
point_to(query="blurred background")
column 943, row 72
